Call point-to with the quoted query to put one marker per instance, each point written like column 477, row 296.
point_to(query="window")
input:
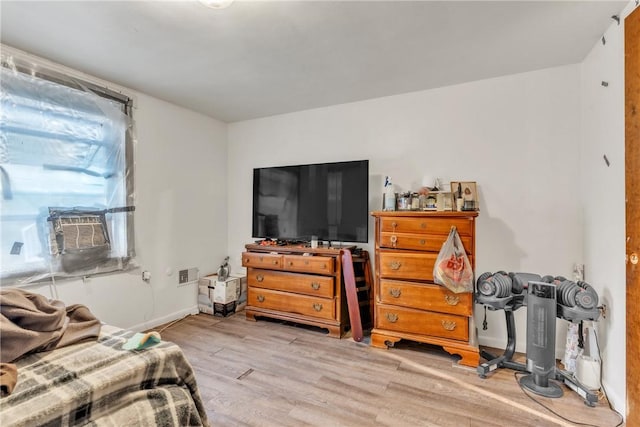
column 65, row 174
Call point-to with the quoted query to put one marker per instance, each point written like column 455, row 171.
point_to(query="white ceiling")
column 260, row 58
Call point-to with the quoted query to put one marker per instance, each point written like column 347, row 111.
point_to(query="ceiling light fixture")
column 216, row 4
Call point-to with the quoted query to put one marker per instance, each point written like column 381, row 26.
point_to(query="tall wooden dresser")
column 408, row 305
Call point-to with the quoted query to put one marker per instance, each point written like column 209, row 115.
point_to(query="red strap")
column 352, row 295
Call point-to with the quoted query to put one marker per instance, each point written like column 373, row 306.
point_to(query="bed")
column 100, row 383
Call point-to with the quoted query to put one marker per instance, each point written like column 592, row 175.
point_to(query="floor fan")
column 541, row 340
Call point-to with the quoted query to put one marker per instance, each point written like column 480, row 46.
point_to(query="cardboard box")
column 206, row 282
column 241, row 292
column 233, row 290
column 224, row 310
column 205, row 305
column 226, row 291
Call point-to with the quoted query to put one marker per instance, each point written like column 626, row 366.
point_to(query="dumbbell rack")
column 510, row 304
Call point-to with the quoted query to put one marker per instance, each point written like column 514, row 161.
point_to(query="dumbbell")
column 519, row 281
column 494, row 284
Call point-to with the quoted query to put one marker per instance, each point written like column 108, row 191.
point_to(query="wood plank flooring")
column 269, row 373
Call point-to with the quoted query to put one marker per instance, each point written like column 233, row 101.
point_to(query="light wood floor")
column 269, row 373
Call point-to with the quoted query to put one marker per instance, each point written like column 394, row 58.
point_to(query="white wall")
column 180, row 217
column 603, row 197
column 517, row 136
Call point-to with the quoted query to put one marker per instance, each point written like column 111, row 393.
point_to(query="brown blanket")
column 31, row 323
column 8, row 378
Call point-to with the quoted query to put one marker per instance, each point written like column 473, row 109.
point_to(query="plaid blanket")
column 101, row 384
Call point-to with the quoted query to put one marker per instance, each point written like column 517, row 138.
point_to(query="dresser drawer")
column 309, row 264
column 322, row 308
column 426, row 225
column 262, row 260
column 425, row 297
column 321, row 286
column 430, row 323
column 423, row 242
column 409, row 265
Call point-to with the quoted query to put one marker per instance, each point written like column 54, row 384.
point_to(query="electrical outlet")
column 578, row 272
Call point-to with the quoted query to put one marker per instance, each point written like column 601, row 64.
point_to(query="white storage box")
column 205, row 305
column 241, row 292
column 206, row 284
column 226, row 291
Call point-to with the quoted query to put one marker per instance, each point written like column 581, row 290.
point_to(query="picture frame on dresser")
column 469, row 192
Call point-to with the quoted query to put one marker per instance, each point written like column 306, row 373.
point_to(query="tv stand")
column 298, row 283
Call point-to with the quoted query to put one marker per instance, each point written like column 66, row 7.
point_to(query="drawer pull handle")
column 395, row 292
column 275, row 262
column 392, row 317
column 259, row 277
column 260, row 298
column 290, row 263
column 324, row 266
column 423, row 225
column 423, row 242
column 394, row 240
column 395, row 265
column 306, row 262
column 394, row 225
column 315, row 286
column 246, row 260
column 261, row 259
column 449, row 325
column 317, row 306
column 452, row 299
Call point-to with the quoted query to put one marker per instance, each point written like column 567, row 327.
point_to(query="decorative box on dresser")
column 408, row 305
column 298, row 284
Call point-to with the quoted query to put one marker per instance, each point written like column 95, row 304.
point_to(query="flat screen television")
column 326, row 200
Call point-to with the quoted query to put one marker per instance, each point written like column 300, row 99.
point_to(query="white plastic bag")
column 452, row 268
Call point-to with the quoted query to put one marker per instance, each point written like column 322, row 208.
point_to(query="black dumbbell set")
column 572, row 301
column 576, row 301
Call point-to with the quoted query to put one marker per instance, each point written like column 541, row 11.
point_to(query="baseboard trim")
column 521, row 347
column 616, row 401
column 149, row 324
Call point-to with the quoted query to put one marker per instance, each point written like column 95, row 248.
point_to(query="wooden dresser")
column 298, row 284
column 408, row 305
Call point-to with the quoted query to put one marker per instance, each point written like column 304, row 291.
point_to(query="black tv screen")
column 326, row 200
